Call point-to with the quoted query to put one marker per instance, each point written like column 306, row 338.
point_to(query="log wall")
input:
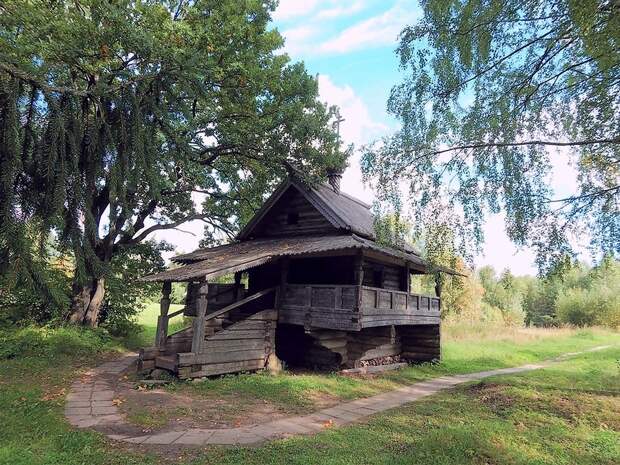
column 372, row 343
column 420, row 343
column 293, row 205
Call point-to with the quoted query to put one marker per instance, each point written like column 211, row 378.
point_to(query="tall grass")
column 482, row 331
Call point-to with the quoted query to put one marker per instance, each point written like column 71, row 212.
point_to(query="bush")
column 598, row 305
column 25, row 300
column 125, row 295
column 576, row 307
column 50, row 342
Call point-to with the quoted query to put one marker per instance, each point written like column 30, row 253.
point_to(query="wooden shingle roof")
column 354, row 229
column 344, row 212
column 217, row 261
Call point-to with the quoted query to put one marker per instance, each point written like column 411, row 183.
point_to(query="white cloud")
column 339, row 11
column 373, row 32
column 290, row 9
column 297, row 39
column 358, row 128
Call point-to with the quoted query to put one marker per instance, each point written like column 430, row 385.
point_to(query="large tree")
column 492, row 90
column 113, row 115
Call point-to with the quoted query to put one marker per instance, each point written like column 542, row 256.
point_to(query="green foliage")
column 179, row 291
column 23, row 300
column 596, row 303
column 51, row 342
column 104, row 141
column 504, row 294
column 491, row 90
column 34, row 287
column 577, row 295
column 125, row 294
column 390, row 229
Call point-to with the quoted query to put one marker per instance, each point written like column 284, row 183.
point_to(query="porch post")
column 162, row 320
column 408, row 278
column 438, row 283
column 358, row 268
column 284, row 265
column 358, row 280
column 238, row 276
column 198, row 337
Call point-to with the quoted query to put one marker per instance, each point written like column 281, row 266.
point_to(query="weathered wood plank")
column 220, row 357
column 198, row 323
column 221, row 368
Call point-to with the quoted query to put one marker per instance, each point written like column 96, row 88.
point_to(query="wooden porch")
column 353, row 307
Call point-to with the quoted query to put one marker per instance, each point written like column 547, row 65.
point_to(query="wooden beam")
column 238, row 276
column 284, row 267
column 198, row 337
column 358, row 268
column 408, row 278
column 162, row 320
column 238, row 304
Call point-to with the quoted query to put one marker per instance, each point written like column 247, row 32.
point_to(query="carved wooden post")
column 358, row 280
column 162, row 319
column 438, row 283
column 198, row 337
column 238, row 295
column 284, row 265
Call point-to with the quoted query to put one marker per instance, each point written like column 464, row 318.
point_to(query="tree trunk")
column 86, row 303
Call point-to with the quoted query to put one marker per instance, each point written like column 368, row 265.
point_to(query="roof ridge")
column 348, row 196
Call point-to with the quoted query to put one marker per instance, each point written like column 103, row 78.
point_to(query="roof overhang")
column 239, row 256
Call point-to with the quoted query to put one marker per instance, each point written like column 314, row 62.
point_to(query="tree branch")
column 158, row 227
column 481, row 145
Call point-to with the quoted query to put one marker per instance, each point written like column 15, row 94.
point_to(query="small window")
column 292, row 218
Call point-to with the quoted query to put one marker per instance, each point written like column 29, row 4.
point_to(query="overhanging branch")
column 482, row 145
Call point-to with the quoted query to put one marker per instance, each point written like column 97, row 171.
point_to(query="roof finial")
column 334, row 176
column 336, row 125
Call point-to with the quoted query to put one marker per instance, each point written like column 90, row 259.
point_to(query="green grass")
column 147, row 319
column 305, row 392
column 569, row 413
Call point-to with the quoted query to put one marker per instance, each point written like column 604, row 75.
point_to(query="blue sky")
column 350, row 45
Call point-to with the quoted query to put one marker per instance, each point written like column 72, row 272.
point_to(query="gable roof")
column 344, row 212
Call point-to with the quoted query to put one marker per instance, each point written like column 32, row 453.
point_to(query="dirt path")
column 92, row 403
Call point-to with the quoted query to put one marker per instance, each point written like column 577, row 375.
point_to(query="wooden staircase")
column 230, row 340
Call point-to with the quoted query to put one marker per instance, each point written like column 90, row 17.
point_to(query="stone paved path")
column 91, row 403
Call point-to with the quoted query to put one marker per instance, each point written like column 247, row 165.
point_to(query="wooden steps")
column 167, row 362
column 239, row 346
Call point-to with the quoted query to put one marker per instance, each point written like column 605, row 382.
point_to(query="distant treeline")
column 572, row 294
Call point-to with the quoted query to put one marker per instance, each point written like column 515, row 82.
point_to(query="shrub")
column 599, row 305
column 125, row 294
column 33, row 341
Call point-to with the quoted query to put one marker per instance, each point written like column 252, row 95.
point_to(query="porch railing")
column 351, row 307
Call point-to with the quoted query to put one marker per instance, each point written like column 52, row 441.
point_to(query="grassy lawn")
column 566, row 414
column 147, row 319
column 299, row 393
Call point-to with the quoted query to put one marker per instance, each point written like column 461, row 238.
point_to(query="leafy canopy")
column 492, row 90
column 116, row 116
